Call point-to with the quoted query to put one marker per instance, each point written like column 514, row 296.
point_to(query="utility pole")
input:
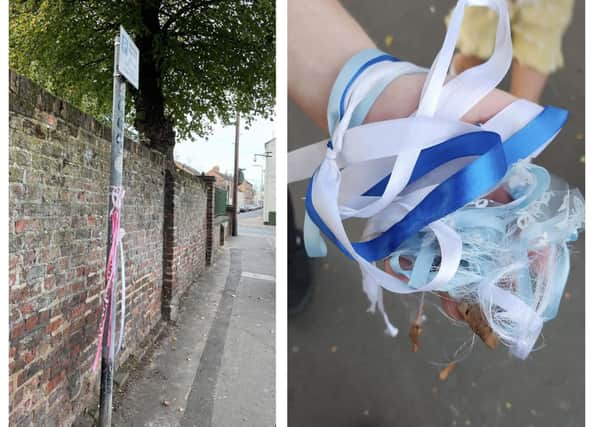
column 235, row 178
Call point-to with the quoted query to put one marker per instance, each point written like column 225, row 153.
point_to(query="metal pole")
column 235, row 178
column 117, row 164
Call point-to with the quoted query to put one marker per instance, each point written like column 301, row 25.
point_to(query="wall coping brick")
column 29, row 99
column 207, row 178
column 221, row 219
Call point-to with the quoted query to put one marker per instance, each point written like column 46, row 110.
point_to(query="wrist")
column 399, row 99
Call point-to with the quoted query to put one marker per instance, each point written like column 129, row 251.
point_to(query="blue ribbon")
column 345, row 79
column 519, row 146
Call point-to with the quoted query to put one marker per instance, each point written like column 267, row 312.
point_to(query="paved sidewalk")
column 215, row 367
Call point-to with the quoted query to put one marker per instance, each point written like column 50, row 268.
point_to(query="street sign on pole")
column 125, row 65
column 128, row 58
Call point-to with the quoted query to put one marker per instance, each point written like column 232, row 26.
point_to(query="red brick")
column 54, row 324
column 20, row 225
column 49, row 282
column 18, row 397
column 28, row 356
column 13, row 261
column 18, row 295
column 29, row 257
column 26, row 308
column 61, row 292
column 31, row 322
column 77, row 311
column 49, row 118
column 81, row 271
column 17, row 331
column 54, row 382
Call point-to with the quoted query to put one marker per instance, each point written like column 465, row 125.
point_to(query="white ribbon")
column 123, row 300
column 117, row 198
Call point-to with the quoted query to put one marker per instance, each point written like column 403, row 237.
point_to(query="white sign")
column 128, row 58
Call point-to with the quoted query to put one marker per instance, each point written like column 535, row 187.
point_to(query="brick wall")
column 186, row 242
column 58, row 181
column 218, row 227
column 221, row 230
column 210, row 215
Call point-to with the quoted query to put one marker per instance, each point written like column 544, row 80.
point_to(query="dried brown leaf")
column 445, row 372
column 474, row 317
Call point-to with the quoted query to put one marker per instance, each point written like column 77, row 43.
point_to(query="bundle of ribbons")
column 111, row 289
column 422, row 184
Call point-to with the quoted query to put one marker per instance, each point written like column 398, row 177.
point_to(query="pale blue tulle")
column 521, row 246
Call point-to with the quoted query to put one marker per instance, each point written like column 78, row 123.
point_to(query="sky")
column 202, row 154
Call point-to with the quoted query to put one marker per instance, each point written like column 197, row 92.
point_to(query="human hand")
column 449, row 304
column 401, row 99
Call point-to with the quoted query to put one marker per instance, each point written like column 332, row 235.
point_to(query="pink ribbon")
column 117, row 194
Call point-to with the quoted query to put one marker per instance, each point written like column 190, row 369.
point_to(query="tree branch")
column 185, row 9
column 95, row 61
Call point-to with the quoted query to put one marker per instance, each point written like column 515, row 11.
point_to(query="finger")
column 500, row 195
column 389, row 270
column 450, row 306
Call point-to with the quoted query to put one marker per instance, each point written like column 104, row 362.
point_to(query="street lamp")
column 266, row 154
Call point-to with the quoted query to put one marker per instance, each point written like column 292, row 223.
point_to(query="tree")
column 200, row 60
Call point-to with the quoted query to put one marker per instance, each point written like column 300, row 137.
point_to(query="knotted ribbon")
column 117, row 233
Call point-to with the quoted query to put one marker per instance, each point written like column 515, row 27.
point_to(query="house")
column 249, row 194
column 269, row 211
column 222, row 180
column 246, row 193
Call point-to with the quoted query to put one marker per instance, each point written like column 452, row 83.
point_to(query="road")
column 250, row 223
column 344, row 371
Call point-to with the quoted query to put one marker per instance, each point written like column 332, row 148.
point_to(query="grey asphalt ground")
column 343, row 369
column 216, row 365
